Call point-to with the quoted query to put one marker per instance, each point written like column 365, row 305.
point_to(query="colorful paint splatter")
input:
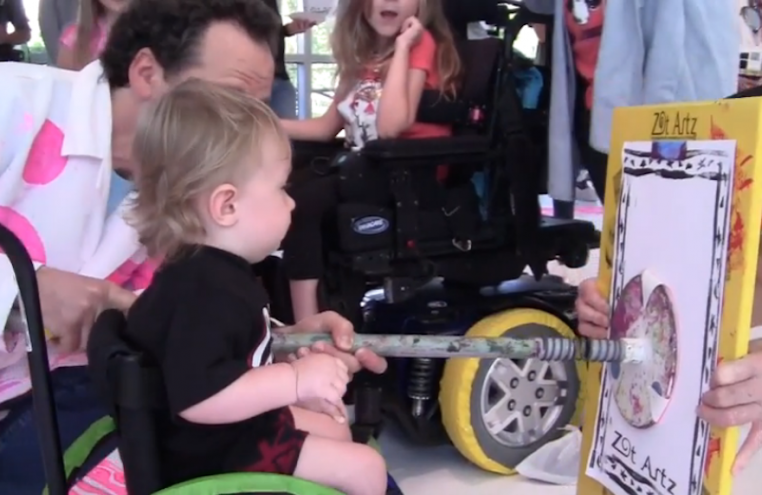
column 741, row 182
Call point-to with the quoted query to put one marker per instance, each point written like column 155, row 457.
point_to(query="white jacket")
column 55, row 173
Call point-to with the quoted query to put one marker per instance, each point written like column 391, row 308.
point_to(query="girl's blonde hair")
column 197, row 137
column 354, row 42
column 88, row 17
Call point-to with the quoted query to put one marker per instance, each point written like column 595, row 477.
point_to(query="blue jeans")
column 283, row 99
column 21, row 471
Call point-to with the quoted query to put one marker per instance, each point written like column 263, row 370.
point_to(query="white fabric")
column 66, row 209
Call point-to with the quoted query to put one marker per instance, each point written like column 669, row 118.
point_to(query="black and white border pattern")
column 716, row 168
column 617, row 284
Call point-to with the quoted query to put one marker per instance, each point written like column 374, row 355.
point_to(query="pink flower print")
column 45, row 163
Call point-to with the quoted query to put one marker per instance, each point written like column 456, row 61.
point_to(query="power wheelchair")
column 454, row 262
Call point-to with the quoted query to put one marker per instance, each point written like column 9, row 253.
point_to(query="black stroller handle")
column 42, row 393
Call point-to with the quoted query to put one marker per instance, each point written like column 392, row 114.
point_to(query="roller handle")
column 436, row 346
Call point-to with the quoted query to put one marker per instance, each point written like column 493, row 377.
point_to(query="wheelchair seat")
column 132, row 389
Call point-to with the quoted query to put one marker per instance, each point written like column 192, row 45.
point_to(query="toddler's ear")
column 223, row 207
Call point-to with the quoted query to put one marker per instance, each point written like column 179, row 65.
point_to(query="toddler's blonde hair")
column 198, row 136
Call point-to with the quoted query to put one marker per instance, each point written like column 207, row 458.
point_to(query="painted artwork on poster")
column 667, row 288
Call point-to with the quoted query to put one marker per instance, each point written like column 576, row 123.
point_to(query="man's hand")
column 298, row 26
column 735, row 399
column 592, row 311
column 342, row 333
column 70, row 303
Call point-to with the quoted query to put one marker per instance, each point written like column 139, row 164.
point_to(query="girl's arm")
column 66, row 57
column 404, row 86
column 323, row 128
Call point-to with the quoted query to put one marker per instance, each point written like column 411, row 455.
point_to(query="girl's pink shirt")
column 100, row 33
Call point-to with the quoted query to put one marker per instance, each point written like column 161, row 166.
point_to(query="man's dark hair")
column 173, row 30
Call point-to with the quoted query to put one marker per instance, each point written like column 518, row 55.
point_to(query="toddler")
column 387, row 53
column 212, row 201
column 83, row 41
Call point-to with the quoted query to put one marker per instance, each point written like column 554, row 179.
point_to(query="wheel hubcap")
column 521, row 400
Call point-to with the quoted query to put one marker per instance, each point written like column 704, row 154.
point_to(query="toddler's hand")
column 337, row 411
column 592, row 311
column 410, row 34
column 320, row 376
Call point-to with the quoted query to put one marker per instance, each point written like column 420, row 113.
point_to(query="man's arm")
column 22, row 32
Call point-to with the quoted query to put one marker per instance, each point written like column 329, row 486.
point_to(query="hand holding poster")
column 678, row 258
column 674, row 207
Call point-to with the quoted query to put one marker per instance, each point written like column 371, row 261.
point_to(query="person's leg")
column 594, row 161
column 21, row 470
column 303, row 245
column 352, row 468
column 597, row 165
column 283, row 99
column 320, row 424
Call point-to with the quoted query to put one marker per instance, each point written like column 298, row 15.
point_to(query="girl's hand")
column 410, row 34
column 735, row 399
column 592, row 311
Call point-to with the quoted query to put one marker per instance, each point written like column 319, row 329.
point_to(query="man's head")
column 155, row 44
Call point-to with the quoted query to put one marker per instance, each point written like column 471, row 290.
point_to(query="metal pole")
column 42, row 393
column 437, row 346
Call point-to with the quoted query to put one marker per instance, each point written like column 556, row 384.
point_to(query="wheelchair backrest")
column 488, row 101
column 132, row 390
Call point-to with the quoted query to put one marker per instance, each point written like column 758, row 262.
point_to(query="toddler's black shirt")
column 205, row 321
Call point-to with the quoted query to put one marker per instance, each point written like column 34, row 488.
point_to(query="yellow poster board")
column 737, row 120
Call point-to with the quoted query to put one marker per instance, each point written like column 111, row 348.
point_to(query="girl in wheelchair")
column 387, row 53
column 211, row 202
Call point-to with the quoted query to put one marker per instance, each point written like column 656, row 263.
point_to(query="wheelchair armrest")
column 434, row 108
column 431, row 150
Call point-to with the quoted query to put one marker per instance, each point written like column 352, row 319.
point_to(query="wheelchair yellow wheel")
column 499, row 411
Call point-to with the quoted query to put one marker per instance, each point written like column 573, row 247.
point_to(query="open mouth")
column 389, row 15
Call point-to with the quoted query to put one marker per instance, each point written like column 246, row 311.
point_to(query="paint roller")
column 444, row 346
